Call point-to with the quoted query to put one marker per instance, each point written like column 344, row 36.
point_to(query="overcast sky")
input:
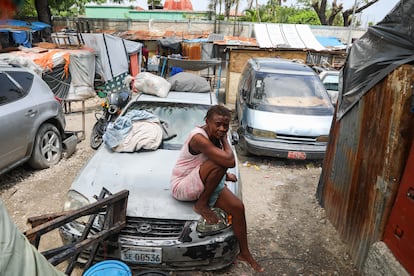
column 374, row 13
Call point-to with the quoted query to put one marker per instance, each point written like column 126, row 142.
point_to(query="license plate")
column 296, row 155
column 142, row 255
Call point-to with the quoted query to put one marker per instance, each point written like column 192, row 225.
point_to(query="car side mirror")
column 234, row 138
column 244, row 93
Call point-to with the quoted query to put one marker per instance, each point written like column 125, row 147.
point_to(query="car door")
column 18, row 110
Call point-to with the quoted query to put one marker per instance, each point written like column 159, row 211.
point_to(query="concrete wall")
column 243, row 29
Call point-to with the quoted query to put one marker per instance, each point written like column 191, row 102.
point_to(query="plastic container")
column 108, row 268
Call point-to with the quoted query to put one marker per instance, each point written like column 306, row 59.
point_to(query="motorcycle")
column 111, row 108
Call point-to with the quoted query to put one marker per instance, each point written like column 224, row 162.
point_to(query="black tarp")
column 170, row 44
column 382, row 49
column 193, row 65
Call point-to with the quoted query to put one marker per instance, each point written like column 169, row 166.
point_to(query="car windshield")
column 290, row 91
column 331, row 82
column 179, row 119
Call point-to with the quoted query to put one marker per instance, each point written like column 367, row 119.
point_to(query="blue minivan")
column 283, row 110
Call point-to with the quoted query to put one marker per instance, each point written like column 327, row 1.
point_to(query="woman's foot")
column 206, row 213
column 252, row 262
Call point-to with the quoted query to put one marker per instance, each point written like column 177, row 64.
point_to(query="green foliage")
column 26, row 9
column 58, row 7
column 278, row 14
column 154, row 3
column 304, row 16
column 338, row 21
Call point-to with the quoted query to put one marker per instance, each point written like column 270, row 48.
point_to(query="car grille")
column 297, row 139
column 153, row 228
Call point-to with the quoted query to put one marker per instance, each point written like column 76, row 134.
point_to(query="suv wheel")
column 47, row 150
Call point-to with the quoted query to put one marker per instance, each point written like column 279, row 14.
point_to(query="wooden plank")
column 39, row 230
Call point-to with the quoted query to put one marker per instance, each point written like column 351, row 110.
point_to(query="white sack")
column 152, row 84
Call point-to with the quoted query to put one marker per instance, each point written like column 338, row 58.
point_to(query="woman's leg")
column 231, row 204
column 211, row 175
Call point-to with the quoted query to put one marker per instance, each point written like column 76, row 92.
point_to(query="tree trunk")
column 44, row 15
column 227, row 7
column 347, row 14
column 320, row 9
column 334, row 11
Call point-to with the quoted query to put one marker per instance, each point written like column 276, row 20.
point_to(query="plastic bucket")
column 108, row 268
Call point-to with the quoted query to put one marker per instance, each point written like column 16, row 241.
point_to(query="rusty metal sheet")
column 191, row 50
column 364, row 162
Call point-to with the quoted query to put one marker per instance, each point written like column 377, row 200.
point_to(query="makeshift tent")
column 112, row 58
column 69, row 73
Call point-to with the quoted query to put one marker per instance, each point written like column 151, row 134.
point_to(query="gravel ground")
column 287, row 229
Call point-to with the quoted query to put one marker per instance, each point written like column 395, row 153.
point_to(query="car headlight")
column 74, row 201
column 262, row 133
column 322, row 138
column 208, row 229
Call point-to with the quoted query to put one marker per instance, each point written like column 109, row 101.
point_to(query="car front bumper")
column 292, row 150
column 190, row 251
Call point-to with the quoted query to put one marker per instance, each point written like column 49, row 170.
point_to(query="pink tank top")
column 186, row 161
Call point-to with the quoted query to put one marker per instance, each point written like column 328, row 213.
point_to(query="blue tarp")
column 21, row 30
column 10, row 25
column 329, row 41
column 22, row 38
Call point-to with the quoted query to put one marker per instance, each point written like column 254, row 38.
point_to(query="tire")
column 47, row 150
column 241, row 150
column 96, row 135
column 241, row 145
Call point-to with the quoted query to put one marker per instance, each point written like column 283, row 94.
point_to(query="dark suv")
column 283, row 110
column 32, row 122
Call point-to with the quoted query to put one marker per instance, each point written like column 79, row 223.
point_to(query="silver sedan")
column 31, row 120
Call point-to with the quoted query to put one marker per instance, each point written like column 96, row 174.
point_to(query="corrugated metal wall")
column 191, row 50
column 365, row 160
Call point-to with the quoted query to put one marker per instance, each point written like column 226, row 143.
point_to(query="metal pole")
column 350, row 27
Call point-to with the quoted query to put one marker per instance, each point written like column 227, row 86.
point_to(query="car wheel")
column 47, row 150
column 241, row 145
column 241, row 150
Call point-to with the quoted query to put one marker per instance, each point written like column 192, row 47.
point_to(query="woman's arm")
column 223, row 157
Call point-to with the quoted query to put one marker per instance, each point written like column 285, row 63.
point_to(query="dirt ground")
column 287, row 229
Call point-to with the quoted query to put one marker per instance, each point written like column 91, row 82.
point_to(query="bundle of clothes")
column 137, row 130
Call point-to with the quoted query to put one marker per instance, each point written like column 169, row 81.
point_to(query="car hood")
column 291, row 124
column 145, row 174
